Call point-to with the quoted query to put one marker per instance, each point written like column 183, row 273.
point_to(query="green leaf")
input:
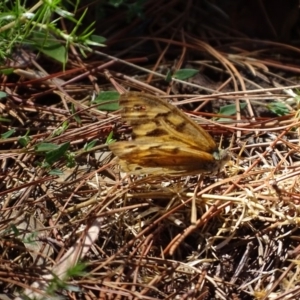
column 7, row 134
column 55, row 51
column 56, row 172
column 75, row 115
column 50, row 47
column 55, row 155
column 15, row 229
column 45, row 147
column 7, row 71
column 64, row 13
column 109, row 138
column 89, row 145
column 184, row 74
column 2, row 95
column 70, row 157
column 109, row 96
column 24, row 140
column 97, row 40
column 5, row 120
column 168, row 77
column 31, row 238
column 278, row 108
column 230, row 110
column 58, row 131
column 77, row 270
column 7, row 16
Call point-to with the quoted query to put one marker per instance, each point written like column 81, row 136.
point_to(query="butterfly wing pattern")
column 164, row 140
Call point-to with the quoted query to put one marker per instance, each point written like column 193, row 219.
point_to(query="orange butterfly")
column 164, row 140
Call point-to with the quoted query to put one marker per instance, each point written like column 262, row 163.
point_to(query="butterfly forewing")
column 151, row 117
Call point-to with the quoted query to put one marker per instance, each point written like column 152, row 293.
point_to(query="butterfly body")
column 164, row 140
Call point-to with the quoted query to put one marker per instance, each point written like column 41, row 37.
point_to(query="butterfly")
column 164, row 140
